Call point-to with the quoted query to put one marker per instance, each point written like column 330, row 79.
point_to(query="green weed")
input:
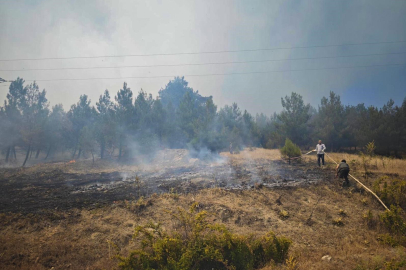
column 200, row 245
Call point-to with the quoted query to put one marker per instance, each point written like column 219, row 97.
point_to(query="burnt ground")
column 32, row 192
column 78, row 215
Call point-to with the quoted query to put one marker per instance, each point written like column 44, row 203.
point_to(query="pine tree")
column 290, row 150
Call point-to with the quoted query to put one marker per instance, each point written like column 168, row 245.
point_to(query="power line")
column 202, row 64
column 216, row 74
column 203, row 52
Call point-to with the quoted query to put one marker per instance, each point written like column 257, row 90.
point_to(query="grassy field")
column 321, row 219
column 377, row 164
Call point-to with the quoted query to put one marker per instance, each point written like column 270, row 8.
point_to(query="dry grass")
column 86, row 239
column 253, row 154
column 83, row 239
column 166, row 158
column 378, row 164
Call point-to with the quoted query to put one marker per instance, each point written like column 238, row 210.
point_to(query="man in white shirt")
column 320, row 152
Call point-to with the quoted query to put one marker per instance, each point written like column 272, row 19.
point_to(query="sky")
column 371, row 72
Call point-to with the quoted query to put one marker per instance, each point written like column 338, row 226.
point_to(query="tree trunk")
column 49, row 151
column 8, row 153
column 31, row 154
column 27, row 155
column 14, row 152
column 111, row 153
column 38, row 151
column 119, row 150
column 74, row 153
column 102, row 146
column 80, row 152
column 92, row 156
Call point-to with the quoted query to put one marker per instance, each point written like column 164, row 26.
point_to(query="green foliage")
column 200, row 245
column 283, row 214
column 290, row 150
column 338, row 221
column 379, row 263
column 370, row 148
column 367, row 157
column 393, row 220
column 182, row 118
column 388, row 239
column 391, row 191
column 330, row 121
column 294, row 117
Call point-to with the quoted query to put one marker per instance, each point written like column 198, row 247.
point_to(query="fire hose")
column 359, row 182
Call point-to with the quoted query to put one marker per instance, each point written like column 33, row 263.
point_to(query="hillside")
column 319, row 216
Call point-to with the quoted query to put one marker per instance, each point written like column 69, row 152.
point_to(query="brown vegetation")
column 86, row 238
column 320, row 219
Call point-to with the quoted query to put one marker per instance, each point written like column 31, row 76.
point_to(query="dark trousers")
column 344, row 174
column 320, row 156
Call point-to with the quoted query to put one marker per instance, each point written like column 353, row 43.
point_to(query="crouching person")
column 343, row 169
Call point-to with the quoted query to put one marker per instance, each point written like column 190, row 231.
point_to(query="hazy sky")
column 42, row 29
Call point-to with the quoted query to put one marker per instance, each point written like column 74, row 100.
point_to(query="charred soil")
column 78, row 216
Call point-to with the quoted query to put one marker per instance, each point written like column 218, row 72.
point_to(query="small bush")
column 283, row 214
column 174, row 194
column 380, row 263
column 391, row 191
column 200, row 245
column 137, row 206
column 388, row 239
column 367, row 157
column 291, row 263
column 338, row 222
column 342, row 213
column 290, row 150
column 393, row 221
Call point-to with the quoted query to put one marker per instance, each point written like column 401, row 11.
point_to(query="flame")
column 72, row 161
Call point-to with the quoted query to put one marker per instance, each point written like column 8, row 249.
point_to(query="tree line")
column 129, row 124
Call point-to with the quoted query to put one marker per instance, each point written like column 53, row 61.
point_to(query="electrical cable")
column 202, row 64
column 214, row 74
column 203, row 52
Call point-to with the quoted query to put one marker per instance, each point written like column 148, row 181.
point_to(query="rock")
column 326, row 258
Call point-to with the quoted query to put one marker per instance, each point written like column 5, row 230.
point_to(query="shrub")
column 290, row 150
column 388, row 239
column 379, row 262
column 200, row 245
column 367, row 157
column 391, row 192
column 283, row 214
column 342, row 212
column 338, row 222
column 394, row 223
column 137, row 206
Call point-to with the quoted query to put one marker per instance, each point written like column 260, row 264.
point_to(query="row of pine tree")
column 128, row 125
